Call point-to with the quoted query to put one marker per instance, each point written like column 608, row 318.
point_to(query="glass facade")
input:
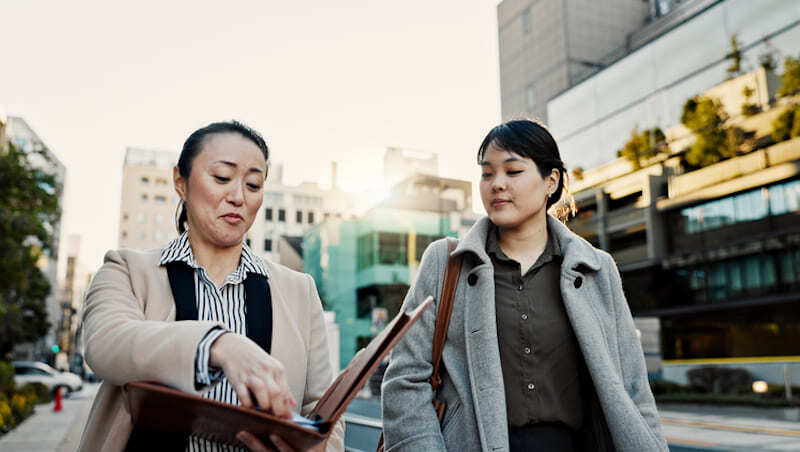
column 751, row 205
column 389, row 248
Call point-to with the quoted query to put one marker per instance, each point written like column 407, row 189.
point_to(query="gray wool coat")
column 473, row 381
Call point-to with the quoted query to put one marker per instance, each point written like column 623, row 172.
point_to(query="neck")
column 218, row 262
column 526, row 242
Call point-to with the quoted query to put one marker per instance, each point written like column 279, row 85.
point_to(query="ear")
column 180, row 182
column 553, row 178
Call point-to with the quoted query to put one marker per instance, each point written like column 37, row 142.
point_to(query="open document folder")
column 160, row 408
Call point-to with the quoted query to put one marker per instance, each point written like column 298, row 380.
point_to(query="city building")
column 363, row 265
column 22, row 135
column 149, row 201
column 709, row 257
column 73, row 290
column 546, row 46
column 674, row 57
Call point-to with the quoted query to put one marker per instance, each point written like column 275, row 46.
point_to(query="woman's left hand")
column 255, row 445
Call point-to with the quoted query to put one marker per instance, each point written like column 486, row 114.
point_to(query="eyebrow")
column 508, row 160
column 234, row 165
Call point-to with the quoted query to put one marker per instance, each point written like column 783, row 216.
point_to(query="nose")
column 498, row 183
column 235, row 194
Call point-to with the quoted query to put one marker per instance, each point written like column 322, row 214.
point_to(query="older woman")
column 250, row 332
column 541, row 351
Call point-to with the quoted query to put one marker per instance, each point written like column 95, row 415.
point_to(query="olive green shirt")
column 539, row 354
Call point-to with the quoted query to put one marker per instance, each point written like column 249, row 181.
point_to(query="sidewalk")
column 46, row 431
column 719, row 428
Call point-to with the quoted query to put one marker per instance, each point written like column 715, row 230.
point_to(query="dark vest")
column 258, row 322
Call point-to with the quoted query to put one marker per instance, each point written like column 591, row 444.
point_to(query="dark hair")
column 194, row 144
column 531, row 139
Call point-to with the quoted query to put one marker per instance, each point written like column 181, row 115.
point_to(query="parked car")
column 37, row 372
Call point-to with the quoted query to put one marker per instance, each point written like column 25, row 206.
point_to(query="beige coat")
column 130, row 334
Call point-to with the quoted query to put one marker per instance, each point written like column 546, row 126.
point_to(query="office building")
column 149, row 201
column 22, row 135
column 546, row 46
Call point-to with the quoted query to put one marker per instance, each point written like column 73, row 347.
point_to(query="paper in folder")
column 159, row 408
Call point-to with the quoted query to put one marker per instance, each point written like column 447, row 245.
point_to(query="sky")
column 322, row 80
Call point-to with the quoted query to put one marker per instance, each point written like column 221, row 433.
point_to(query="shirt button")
column 520, row 287
column 527, row 350
column 524, row 316
column 530, row 386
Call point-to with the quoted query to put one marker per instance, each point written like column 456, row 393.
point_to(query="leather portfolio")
column 159, row 408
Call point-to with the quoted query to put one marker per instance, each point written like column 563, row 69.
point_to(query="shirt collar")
column 551, row 251
column 180, row 250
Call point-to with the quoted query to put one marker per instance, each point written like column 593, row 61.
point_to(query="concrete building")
column 22, row 135
column 399, row 164
column 147, row 210
column 73, row 290
column 710, row 258
column 669, row 60
column 363, row 266
column 546, row 46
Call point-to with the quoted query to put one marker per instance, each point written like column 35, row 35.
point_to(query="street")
column 688, row 428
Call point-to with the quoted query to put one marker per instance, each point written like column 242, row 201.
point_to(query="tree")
column 713, row 141
column 787, row 125
column 790, row 79
column 736, row 58
column 749, row 108
column 29, row 211
column 641, row 147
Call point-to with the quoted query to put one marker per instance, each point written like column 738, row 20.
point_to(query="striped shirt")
column 226, row 305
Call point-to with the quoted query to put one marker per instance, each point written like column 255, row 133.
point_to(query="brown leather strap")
column 451, row 273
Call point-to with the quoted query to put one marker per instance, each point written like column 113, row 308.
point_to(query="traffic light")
column 55, row 348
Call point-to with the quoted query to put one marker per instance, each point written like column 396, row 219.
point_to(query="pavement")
column 49, row 431
column 689, row 428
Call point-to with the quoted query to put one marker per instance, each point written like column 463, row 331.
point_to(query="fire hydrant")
column 57, row 406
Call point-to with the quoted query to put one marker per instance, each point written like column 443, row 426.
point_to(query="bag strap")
column 451, row 274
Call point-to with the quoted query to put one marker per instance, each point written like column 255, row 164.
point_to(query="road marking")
column 690, row 442
column 768, row 431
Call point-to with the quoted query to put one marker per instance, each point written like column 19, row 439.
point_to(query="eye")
column 222, row 179
column 514, row 172
column 254, row 187
column 486, row 175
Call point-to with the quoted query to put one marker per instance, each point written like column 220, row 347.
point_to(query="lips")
column 500, row 202
column 232, row 218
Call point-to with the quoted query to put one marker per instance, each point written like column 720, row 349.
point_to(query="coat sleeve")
column 633, row 367
column 409, row 420
column 123, row 346
column 319, row 374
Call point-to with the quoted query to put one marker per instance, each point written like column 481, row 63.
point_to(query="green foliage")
column 6, row 378
column 39, row 390
column 790, row 79
column 29, row 211
column 643, row 146
column 713, row 141
column 748, row 108
column 577, row 172
column 787, row 125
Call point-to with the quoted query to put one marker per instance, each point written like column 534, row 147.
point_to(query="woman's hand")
column 252, row 372
column 255, row 445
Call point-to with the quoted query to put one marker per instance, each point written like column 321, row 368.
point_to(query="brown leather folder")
column 159, row 408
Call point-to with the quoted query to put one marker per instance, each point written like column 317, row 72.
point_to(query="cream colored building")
column 147, row 210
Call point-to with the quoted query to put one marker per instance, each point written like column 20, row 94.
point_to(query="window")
column 139, row 235
column 310, row 217
column 392, row 248
column 158, row 236
column 160, row 199
column 282, row 215
column 527, row 25
column 124, row 234
column 158, row 218
column 143, row 196
column 530, row 97
column 141, row 218
column 268, row 214
column 124, row 217
column 298, row 217
column 144, row 180
column 161, row 181
column 267, row 244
